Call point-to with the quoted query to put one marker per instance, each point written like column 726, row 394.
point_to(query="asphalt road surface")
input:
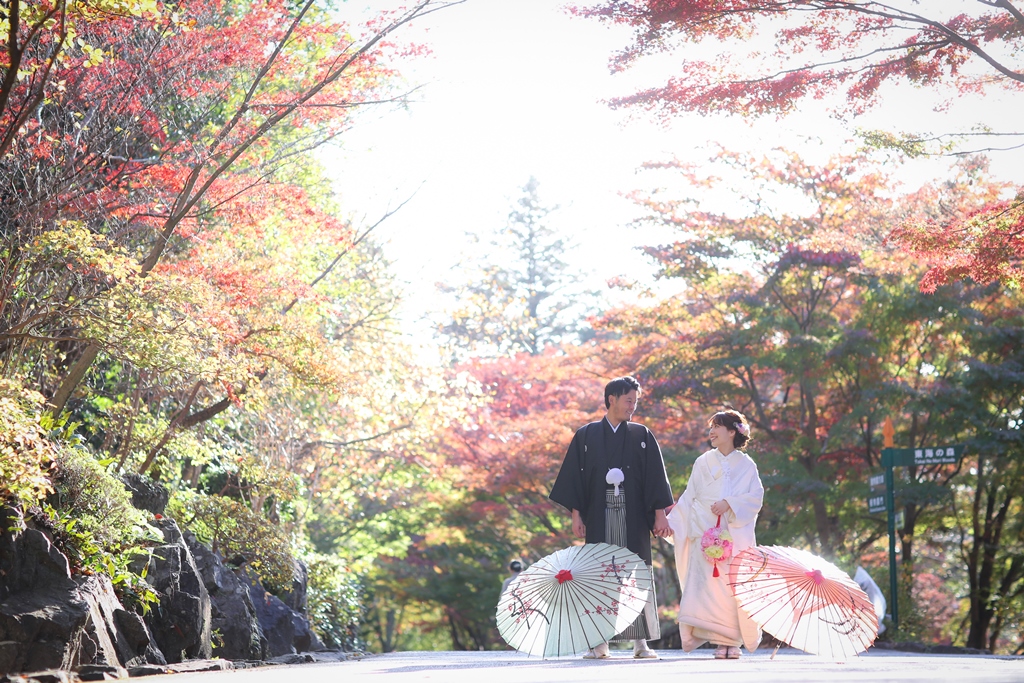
column 788, row 666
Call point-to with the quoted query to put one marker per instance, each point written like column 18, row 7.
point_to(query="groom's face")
column 623, row 407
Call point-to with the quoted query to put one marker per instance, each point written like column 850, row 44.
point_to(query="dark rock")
column 313, row 644
column 147, row 670
column 296, row 597
column 109, row 621
column 43, row 626
column 49, row 620
column 28, row 559
column 233, row 616
column 294, row 659
column 180, row 623
column 99, row 672
column 191, row 666
column 133, row 629
column 197, row 665
column 8, row 655
column 249, row 663
column 67, row 626
column 275, row 619
column 287, row 631
column 146, row 493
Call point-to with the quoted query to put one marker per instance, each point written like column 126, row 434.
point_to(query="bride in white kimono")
column 724, row 482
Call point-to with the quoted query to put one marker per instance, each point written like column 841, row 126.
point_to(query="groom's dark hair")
column 618, row 387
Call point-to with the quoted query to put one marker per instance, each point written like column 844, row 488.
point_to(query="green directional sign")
column 908, row 457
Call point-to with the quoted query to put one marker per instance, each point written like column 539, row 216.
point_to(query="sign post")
column 903, row 457
column 890, row 513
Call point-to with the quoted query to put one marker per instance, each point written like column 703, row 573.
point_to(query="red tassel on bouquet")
column 716, row 544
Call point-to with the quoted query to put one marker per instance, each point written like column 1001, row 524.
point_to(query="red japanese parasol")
column 573, row 600
column 804, row 601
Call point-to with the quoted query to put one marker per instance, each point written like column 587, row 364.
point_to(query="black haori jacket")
column 580, row 484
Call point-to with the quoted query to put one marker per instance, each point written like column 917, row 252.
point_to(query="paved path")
column 789, row 666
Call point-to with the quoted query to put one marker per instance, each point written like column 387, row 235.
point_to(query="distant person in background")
column 515, row 566
column 724, row 485
column 875, row 595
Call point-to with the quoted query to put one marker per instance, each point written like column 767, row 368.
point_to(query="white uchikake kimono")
column 708, row 611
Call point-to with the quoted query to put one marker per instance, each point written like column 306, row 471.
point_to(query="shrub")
column 94, row 523
column 232, row 529
column 26, row 454
column 333, row 600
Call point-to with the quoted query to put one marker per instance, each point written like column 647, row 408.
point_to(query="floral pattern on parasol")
column 573, row 600
column 803, row 600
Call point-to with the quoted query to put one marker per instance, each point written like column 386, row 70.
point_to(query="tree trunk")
column 78, row 370
column 980, row 572
column 981, row 617
column 821, row 522
column 387, row 641
column 910, row 512
column 454, row 630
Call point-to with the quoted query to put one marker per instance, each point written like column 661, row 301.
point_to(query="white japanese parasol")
column 804, row 600
column 573, row 600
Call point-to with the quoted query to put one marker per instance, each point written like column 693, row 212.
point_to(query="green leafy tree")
column 988, row 396
column 808, row 322
column 177, row 276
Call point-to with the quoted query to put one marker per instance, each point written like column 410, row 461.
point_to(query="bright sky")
column 514, row 88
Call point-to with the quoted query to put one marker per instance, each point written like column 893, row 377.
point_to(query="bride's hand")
column 721, row 507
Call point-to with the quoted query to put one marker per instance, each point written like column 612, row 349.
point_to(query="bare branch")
column 388, row 214
column 1006, row 5
column 374, row 437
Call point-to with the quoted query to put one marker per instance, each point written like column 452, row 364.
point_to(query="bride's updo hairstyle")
column 735, row 422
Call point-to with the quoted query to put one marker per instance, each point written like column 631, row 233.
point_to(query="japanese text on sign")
column 935, row 456
column 909, row 457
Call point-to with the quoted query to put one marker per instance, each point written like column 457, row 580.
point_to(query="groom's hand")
column 661, row 528
column 578, row 527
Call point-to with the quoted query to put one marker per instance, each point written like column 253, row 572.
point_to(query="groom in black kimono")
column 582, row 487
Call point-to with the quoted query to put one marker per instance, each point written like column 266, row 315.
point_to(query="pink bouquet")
column 716, row 544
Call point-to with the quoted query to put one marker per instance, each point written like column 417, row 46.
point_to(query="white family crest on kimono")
column 708, row 611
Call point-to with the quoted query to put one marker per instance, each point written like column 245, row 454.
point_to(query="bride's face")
column 721, row 438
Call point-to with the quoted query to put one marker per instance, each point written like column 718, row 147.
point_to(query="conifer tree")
column 522, row 296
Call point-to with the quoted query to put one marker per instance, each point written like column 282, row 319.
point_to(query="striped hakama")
column 646, row 626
